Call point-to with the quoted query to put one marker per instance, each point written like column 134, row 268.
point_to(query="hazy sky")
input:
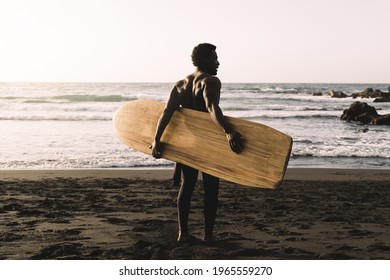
column 151, row 41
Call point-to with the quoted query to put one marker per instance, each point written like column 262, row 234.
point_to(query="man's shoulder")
column 180, row 83
column 212, row 81
column 184, row 82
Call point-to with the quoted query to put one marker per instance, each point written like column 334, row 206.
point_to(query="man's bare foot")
column 186, row 238
column 208, row 239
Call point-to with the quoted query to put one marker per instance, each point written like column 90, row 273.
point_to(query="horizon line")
column 170, row 82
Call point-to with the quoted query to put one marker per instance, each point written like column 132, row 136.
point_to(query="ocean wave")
column 37, row 101
column 71, row 98
column 282, row 108
column 341, row 149
column 284, row 117
column 56, row 118
column 290, row 100
column 362, row 156
column 279, row 90
column 136, row 165
column 9, row 97
column 260, row 89
column 93, row 98
column 233, row 108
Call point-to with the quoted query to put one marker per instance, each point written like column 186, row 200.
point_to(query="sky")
column 265, row 41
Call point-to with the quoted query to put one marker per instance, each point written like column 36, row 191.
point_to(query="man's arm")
column 172, row 105
column 211, row 94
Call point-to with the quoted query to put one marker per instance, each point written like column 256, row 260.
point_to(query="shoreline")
column 294, row 174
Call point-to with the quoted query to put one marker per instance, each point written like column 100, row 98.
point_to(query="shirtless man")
column 199, row 91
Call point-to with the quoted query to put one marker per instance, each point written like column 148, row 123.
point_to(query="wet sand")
column 131, row 214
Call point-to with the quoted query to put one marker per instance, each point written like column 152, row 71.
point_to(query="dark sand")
column 123, row 214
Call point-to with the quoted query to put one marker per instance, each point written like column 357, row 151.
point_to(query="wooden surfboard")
column 193, row 139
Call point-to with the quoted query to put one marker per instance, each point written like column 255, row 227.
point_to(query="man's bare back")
column 191, row 90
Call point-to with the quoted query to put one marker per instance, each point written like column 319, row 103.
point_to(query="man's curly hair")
column 200, row 52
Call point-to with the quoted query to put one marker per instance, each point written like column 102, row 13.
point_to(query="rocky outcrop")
column 359, row 111
column 385, row 97
column 379, row 95
column 364, row 113
column 337, row 94
column 371, row 93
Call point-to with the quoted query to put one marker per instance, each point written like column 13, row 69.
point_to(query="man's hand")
column 155, row 147
column 235, row 141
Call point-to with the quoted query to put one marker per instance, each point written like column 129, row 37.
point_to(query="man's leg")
column 189, row 177
column 177, row 174
column 211, row 189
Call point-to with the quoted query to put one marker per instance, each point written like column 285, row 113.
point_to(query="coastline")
column 96, row 214
column 306, row 174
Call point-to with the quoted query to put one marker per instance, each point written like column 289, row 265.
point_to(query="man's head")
column 205, row 58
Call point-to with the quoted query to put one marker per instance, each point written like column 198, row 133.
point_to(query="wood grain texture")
column 193, row 139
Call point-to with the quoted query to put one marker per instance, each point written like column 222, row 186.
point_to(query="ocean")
column 69, row 125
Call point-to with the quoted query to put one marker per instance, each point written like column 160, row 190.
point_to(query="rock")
column 382, row 120
column 363, row 94
column 377, row 93
column 337, row 94
column 359, row 111
column 370, row 93
column 382, row 99
column 317, row 94
column 362, row 112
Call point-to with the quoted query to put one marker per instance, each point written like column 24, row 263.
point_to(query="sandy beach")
column 131, row 214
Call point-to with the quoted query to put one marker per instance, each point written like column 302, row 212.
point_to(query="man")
column 199, row 91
